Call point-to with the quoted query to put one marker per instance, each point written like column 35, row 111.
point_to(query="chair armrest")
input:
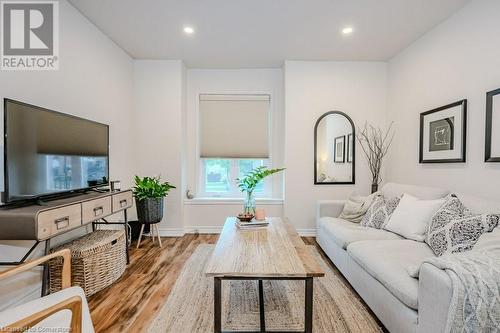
column 434, row 298
column 331, row 208
column 66, row 269
column 74, row 304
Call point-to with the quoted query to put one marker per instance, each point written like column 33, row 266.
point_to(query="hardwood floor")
column 133, row 301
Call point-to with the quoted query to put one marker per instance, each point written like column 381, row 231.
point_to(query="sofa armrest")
column 331, row 208
column 434, row 298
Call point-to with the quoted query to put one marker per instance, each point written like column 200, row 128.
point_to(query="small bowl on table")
column 245, row 217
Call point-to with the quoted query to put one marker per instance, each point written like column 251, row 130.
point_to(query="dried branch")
column 375, row 144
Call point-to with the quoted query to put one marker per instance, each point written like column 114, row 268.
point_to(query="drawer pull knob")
column 123, row 203
column 62, row 222
column 98, row 211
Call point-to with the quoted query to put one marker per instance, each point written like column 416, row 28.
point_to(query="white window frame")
column 200, row 165
column 234, row 191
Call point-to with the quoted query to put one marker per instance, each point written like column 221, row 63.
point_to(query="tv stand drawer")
column 59, row 220
column 95, row 209
column 122, row 201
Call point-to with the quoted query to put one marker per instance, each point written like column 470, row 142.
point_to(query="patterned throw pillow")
column 379, row 212
column 452, row 209
column 460, row 235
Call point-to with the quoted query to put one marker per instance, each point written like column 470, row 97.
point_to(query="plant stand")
column 153, row 229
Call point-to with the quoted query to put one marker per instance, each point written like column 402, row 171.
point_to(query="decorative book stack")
column 253, row 224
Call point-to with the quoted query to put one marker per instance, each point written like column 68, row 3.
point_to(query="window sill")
column 231, row 201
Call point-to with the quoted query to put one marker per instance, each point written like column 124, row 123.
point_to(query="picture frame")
column 350, row 145
column 492, row 140
column 443, row 134
column 339, row 149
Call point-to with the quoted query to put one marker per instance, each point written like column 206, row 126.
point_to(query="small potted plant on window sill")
column 149, row 193
column 248, row 184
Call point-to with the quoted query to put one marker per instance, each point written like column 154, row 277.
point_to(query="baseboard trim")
column 179, row 232
column 171, row 232
column 307, row 232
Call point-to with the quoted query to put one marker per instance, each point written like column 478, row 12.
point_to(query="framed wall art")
column 443, row 134
column 492, row 146
column 350, row 144
column 339, row 149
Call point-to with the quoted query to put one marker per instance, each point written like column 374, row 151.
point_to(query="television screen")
column 48, row 153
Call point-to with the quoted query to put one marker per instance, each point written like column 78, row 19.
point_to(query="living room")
column 200, row 94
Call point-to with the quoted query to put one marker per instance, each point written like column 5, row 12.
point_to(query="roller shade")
column 234, row 126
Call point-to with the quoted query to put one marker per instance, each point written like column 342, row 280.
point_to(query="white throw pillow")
column 412, row 217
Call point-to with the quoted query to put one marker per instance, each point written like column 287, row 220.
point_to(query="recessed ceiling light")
column 347, row 30
column 189, row 30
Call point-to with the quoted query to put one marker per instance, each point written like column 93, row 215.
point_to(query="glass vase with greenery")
column 248, row 184
column 149, row 193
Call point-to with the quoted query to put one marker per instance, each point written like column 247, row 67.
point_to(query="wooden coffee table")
column 272, row 253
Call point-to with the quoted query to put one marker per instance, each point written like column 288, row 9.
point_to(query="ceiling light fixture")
column 347, row 30
column 188, row 30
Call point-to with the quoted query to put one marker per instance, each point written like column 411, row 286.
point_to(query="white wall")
column 94, row 81
column 158, row 134
column 203, row 215
column 311, row 89
column 456, row 60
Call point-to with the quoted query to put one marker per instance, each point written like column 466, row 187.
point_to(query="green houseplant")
column 248, row 184
column 149, row 193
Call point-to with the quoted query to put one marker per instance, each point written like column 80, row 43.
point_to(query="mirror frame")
column 353, row 181
column 489, row 126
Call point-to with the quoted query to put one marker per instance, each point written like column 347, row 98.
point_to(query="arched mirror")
column 334, row 149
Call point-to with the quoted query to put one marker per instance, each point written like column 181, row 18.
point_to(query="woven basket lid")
column 90, row 241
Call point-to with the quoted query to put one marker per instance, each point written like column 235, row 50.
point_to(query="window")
column 229, row 147
column 218, row 177
column 68, row 172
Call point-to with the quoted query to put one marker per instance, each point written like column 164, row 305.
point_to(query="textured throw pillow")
column 379, row 212
column 412, row 217
column 452, row 209
column 356, row 206
column 460, row 235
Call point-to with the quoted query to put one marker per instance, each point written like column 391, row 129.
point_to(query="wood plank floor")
column 133, row 301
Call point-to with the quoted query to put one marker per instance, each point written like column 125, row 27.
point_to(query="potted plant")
column 248, row 184
column 149, row 193
column 375, row 144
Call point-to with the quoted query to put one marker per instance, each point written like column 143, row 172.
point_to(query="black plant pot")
column 374, row 188
column 149, row 210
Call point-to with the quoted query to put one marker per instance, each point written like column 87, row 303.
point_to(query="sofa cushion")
column 387, row 262
column 343, row 232
column 489, row 241
column 391, row 190
column 479, row 205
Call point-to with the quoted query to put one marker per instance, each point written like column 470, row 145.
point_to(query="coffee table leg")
column 309, row 306
column 217, row 305
column 261, row 308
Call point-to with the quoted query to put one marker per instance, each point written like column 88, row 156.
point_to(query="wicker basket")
column 97, row 260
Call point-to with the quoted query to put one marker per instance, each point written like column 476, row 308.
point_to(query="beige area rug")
column 189, row 308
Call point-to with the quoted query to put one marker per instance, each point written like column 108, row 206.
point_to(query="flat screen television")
column 50, row 154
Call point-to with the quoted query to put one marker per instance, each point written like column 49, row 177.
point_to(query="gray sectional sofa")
column 375, row 263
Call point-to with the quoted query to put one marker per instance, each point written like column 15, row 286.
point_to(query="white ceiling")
column 263, row 33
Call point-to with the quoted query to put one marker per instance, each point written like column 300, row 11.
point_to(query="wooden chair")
column 29, row 315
